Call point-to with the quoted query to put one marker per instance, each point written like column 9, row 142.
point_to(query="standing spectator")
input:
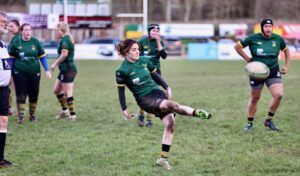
column 152, row 47
column 64, row 84
column 26, row 53
column 265, row 47
column 5, row 75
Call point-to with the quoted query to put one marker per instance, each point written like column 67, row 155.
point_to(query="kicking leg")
column 169, row 105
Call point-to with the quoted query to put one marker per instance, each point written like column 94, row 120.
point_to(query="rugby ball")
column 257, row 70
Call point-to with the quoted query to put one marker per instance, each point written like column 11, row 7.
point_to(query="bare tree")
column 157, row 10
column 13, row 5
column 188, row 6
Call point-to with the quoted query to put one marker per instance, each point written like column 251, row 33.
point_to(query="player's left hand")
column 48, row 74
column 283, row 70
column 169, row 93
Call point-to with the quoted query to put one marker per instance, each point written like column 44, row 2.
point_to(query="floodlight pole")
column 169, row 11
column 145, row 16
column 66, row 11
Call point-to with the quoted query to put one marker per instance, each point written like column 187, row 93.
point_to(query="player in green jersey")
column 14, row 28
column 265, row 47
column 64, row 84
column 139, row 75
column 27, row 53
column 152, row 47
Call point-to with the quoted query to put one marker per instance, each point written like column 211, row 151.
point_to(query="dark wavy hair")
column 124, row 46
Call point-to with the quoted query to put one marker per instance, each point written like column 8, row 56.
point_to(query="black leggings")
column 4, row 101
column 26, row 85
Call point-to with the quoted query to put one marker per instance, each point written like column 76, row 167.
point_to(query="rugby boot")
column 32, row 118
column 140, row 120
column 202, row 114
column 4, row 163
column 164, row 163
column 72, row 118
column 248, row 127
column 21, row 120
column 63, row 114
column 149, row 124
column 271, row 125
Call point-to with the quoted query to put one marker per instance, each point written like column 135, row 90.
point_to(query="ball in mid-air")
column 257, row 70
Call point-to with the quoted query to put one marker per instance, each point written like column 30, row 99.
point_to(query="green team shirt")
column 66, row 44
column 16, row 37
column 137, row 77
column 26, row 55
column 264, row 49
column 149, row 49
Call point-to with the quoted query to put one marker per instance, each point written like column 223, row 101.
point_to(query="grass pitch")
column 101, row 142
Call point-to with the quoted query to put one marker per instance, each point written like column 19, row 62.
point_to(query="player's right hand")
column 127, row 115
column 53, row 66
